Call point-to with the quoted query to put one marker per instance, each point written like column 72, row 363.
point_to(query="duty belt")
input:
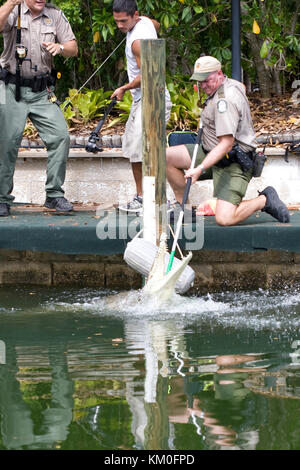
column 37, row 84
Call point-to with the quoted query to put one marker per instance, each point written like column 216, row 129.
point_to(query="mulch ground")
column 276, row 115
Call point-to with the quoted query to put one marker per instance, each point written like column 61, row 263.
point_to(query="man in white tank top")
column 136, row 28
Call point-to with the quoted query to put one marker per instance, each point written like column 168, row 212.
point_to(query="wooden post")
column 153, row 59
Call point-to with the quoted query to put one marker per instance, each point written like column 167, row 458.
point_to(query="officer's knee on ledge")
column 224, row 220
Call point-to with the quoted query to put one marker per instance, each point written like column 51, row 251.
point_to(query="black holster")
column 237, row 155
column 37, row 84
column 4, row 75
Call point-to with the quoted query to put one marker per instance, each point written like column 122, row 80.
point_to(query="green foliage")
column 30, row 131
column 279, row 35
column 190, row 28
column 68, row 112
column 124, row 106
column 185, row 111
column 86, row 105
column 104, row 23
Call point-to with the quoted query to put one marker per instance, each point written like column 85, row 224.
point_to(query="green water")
column 87, row 369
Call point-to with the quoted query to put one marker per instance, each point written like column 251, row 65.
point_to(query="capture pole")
column 18, row 60
column 20, row 54
column 153, row 59
column 236, row 39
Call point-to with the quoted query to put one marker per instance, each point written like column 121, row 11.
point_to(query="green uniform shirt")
column 50, row 26
column 227, row 112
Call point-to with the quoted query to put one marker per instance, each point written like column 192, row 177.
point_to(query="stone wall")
column 216, row 271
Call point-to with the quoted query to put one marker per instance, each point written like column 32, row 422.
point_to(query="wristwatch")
column 62, row 48
column 201, row 168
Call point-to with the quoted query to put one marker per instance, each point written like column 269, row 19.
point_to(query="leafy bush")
column 86, row 105
column 186, row 110
column 89, row 104
column 124, row 106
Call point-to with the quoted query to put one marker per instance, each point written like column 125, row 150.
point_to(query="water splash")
column 255, row 310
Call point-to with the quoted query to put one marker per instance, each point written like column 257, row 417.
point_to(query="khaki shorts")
column 132, row 139
column 230, row 183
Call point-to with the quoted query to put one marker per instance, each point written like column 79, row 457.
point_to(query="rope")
column 96, row 71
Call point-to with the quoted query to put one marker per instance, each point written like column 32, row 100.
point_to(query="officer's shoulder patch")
column 64, row 17
column 222, row 106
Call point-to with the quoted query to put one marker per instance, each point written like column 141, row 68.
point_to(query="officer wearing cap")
column 227, row 150
column 28, row 80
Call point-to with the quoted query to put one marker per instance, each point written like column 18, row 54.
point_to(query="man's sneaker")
column 274, row 206
column 60, row 204
column 4, row 209
column 176, row 208
column 134, row 207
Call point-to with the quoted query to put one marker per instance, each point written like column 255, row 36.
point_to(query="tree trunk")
column 172, row 56
column 263, row 76
column 276, row 83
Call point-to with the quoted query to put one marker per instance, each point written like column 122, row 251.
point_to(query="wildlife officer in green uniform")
column 227, row 152
column 27, row 88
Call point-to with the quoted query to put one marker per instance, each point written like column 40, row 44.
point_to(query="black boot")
column 4, row 209
column 61, row 204
column 274, row 206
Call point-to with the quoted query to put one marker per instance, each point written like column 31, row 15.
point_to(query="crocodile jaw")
column 159, row 283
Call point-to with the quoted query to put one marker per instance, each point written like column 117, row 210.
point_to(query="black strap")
column 37, row 84
column 294, row 147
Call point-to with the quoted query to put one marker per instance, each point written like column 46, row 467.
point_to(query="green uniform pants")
column 230, row 183
column 49, row 121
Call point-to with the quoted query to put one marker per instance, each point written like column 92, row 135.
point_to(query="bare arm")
column 6, row 10
column 214, row 156
column 156, row 24
column 70, row 48
column 136, row 83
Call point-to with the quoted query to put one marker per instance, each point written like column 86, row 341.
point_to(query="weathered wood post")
column 153, row 58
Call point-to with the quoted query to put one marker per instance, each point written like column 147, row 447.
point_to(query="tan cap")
column 204, row 66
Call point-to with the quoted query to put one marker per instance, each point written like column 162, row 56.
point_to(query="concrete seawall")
column 106, row 178
column 215, row 270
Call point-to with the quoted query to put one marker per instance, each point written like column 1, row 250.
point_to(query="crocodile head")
column 160, row 284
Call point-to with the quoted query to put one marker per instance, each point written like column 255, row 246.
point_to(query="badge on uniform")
column 222, row 106
column 48, row 21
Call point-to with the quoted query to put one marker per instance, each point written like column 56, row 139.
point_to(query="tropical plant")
column 270, row 29
column 186, row 109
column 68, row 112
column 85, row 105
column 124, row 106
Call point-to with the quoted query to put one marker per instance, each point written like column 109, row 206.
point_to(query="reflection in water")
column 88, row 370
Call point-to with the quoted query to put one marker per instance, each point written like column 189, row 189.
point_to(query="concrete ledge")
column 106, row 177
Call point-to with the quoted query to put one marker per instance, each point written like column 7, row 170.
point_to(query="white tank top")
column 144, row 29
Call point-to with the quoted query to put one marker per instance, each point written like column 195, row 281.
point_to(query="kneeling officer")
column 34, row 32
